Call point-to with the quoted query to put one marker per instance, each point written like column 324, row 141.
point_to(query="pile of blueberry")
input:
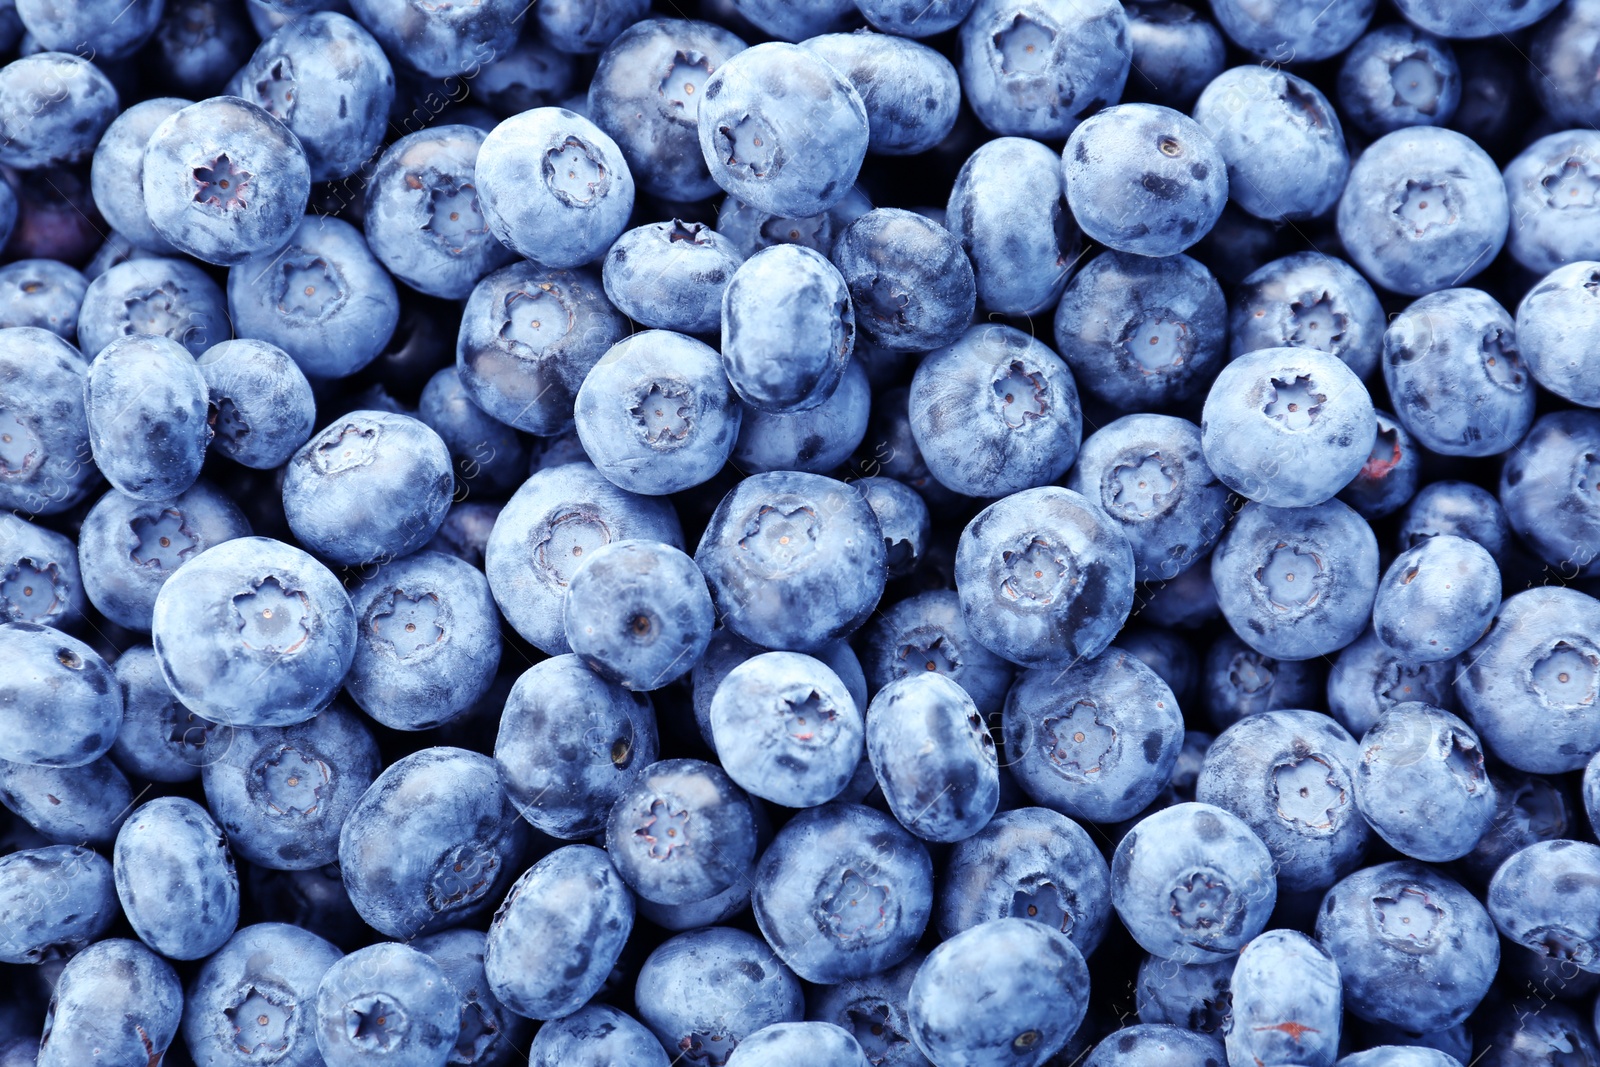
column 799, row 533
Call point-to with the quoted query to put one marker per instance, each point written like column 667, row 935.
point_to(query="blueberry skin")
column 1458, row 341
column 1010, row 214
column 704, row 837
column 160, row 740
column 235, row 645
column 45, row 127
column 386, row 1000
column 794, row 561
column 787, row 729
column 1296, row 31
column 1282, row 141
column 817, row 440
column 145, row 404
column 1176, row 52
column 530, row 557
column 175, row 878
column 586, row 26
column 1390, row 212
column 261, row 408
column 322, row 297
column 554, row 941
column 1486, row 20
column 796, row 21
column 554, row 187
column 1286, row 1002
column 638, row 613
column 1145, row 1045
column 1398, row 76
column 786, row 355
column 45, row 293
column 116, row 175
column 933, row 756
column 1389, row 477
column 1549, row 229
column 1036, row 68
column 1287, row 427
column 646, row 94
column 99, row 29
column 819, row 1043
column 48, row 469
column 490, row 1035
column 915, row 18
column 1330, row 550
column 1528, row 684
column 282, row 793
column 1543, row 487
column 1149, row 474
column 1194, row 996
column 427, row 641
column 1237, row 681
column 1309, row 300
column 169, row 298
column 928, row 633
column 1550, row 318
column 703, row 992
column 910, row 282
column 596, row 1036
column 370, row 488
column 1398, row 1056
column 128, row 548
column 671, row 275
column 656, row 414
column 1291, row 776
column 1096, row 740
column 115, row 1003
column 904, row 518
column 1028, row 863
column 782, row 130
column 1145, row 179
column 465, row 531
column 911, row 93
column 752, row 229
column 873, row 1011
column 528, row 337
column 1008, row 991
column 68, row 805
column 815, row 870
column 82, row 902
column 1170, row 655
column 225, row 139
column 727, row 650
column 1070, row 611
column 1447, row 610
column 1142, row 333
column 59, row 702
column 1421, row 783
column 996, row 412
column 1192, row 883
column 271, row 970
column 1368, row 679
column 423, row 218
column 442, row 41
column 463, row 843
column 39, row 577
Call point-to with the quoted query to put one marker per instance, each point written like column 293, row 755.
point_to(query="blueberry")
column 442, row 41
column 145, row 402
column 1192, row 883
column 638, row 613
column 1368, row 679
column 910, row 282
column 160, row 739
column 1282, row 141
column 1237, row 681
column 752, row 228
column 656, row 414
column 260, row 407
column 1005, row 991
column 45, row 456
column 528, row 337
column 128, row 548
column 54, row 902
column 671, row 275
column 1413, row 947
column 1028, row 863
column 1436, row 599
column 727, row 650
column 224, row 180
column 256, row 997
column 68, row 805
column 490, row 1035
column 1418, row 228
column 115, row 1002
column 819, row 1043
column 1295, row 583
column 873, row 1011
column 815, row 441
column 489, row 456
column 1045, row 577
column 1176, row 52
column 54, row 107
column 254, row 632
column 542, row 536
column 1399, row 1056
column 1544, row 487
column 199, row 44
column 933, row 756
column 176, row 879
column 465, row 530
column 1388, row 480
column 169, row 298
column 782, row 130
column 39, row 577
column 794, row 20
column 793, row 560
column 1527, row 1031
column 386, row 1000
column 117, row 175
column 100, row 29
column 59, row 702
column 788, row 355
column 703, row 992
column 1397, row 76
column 681, row 832
column 1528, row 809
column 843, row 892
column 423, row 219
column 1170, row 655
column 1142, row 333
column 1549, row 319
column 45, row 293
column 1194, row 996
column 1553, row 221
column 1309, row 300
column 596, row 1036
column 322, row 297
column 1149, row 1044
column 1145, row 179
column 1009, row 211
column 1421, row 783
column 911, row 92
column 1484, row 20
column 1286, row 1001
column 1296, row 30
column 1528, row 684
column 460, row 843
